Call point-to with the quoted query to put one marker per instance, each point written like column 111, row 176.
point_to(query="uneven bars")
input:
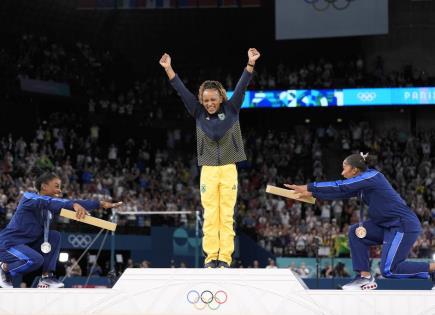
column 152, row 212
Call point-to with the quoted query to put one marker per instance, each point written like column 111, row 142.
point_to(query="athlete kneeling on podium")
column 27, row 243
column 391, row 223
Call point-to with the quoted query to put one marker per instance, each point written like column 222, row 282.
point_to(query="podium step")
column 212, row 291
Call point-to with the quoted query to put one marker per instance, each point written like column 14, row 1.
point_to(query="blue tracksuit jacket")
column 386, row 208
column 27, row 224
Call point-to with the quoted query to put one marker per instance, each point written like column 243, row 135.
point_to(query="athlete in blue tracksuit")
column 391, row 223
column 20, row 241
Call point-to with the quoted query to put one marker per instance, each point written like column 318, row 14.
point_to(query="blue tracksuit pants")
column 396, row 246
column 22, row 259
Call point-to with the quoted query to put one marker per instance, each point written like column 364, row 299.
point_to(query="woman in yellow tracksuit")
column 220, row 147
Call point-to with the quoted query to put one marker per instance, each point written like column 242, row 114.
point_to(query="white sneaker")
column 5, row 279
column 361, row 283
column 50, row 282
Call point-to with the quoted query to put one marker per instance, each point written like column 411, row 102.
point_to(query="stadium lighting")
column 63, row 257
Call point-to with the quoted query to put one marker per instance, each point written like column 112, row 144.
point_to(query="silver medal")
column 45, row 247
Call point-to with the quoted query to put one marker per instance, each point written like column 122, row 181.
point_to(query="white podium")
column 212, row 291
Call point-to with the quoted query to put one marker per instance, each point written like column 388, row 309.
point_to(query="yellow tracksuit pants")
column 218, row 187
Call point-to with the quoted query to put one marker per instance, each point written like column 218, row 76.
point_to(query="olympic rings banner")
column 297, row 19
column 79, row 240
column 207, row 299
column 339, row 97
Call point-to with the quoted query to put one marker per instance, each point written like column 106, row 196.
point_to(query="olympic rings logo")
column 207, row 299
column 323, row 5
column 366, row 96
column 79, row 240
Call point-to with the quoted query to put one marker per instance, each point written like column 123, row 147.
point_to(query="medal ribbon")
column 361, row 210
column 46, row 217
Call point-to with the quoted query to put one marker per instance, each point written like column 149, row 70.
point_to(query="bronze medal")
column 361, row 232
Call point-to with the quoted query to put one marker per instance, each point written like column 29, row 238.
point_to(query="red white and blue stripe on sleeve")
column 343, row 189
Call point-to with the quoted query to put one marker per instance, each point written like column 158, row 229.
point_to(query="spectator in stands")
column 271, row 264
column 130, row 264
column 255, row 264
column 304, row 271
column 327, row 271
column 340, row 271
column 95, row 271
column 145, row 264
column 73, row 269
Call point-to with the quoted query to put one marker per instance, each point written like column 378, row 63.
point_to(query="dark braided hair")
column 43, row 176
column 358, row 161
column 212, row 85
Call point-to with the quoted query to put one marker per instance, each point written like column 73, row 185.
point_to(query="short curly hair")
column 212, row 85
column 42, row 176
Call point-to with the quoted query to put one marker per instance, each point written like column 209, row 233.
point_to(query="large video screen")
column 295, row 19
column 339, row 97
